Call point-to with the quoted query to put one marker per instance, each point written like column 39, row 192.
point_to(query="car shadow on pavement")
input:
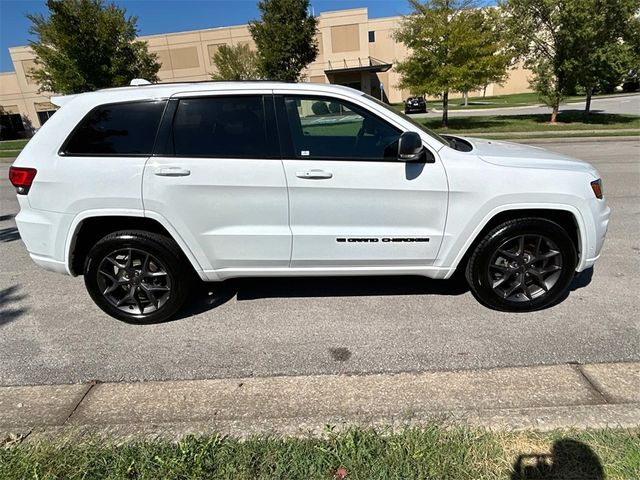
column 8, row 312
column 581, row 280
column 569, row 459
column 9, row 234
column 208, row 296
column 211, row 295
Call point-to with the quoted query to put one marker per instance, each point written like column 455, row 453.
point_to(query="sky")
column 164, row 16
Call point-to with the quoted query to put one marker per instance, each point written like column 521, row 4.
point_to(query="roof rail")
column 138, row 82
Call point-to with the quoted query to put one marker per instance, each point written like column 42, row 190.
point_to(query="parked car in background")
column 144, row 189
column 415, row 105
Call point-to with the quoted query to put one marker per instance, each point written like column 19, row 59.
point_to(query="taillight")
column 22, row 178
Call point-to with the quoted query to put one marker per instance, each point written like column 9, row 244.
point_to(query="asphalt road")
column 624, row 104
column 50, row 331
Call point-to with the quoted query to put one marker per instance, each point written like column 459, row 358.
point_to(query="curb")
column 539, row 398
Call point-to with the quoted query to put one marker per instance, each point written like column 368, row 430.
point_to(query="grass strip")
column 537, row 123
column 11, row 148
column 13, row 144
column 433, row 452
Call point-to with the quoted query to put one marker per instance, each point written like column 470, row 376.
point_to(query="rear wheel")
column 522, row 265
column 137, row 276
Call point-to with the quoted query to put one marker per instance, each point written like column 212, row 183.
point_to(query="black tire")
column 137, row 276
column 536, row 253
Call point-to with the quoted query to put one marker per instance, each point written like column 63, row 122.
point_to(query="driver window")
column 327, row 128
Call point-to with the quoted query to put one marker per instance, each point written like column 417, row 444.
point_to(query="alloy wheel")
column 525, row 267
column 134, row 281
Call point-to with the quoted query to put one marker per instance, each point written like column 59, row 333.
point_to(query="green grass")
column 11, row 148
column 433, row 452
column 538, row 123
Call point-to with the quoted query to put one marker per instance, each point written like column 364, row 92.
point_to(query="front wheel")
column 522, row 265
column 137, row 276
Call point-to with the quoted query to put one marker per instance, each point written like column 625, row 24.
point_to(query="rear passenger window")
column 234, row 127
column 117, row 129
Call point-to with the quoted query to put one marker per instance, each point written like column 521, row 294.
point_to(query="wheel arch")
column 90, row 227
column 566, row 216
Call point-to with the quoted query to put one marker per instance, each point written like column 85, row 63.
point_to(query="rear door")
column 352, row 203
column 218, row 179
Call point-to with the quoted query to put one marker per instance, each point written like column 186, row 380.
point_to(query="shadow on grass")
column 569, row 460
column 566, row 118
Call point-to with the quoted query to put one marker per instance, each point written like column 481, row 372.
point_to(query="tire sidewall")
column 479, row 276
column 169, row 260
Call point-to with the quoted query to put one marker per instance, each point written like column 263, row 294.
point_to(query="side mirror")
column 409, row 147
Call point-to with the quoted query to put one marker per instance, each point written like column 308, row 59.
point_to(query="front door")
column 219, row 181
column 352, row 203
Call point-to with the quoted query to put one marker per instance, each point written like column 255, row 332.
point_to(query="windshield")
column 431, row 133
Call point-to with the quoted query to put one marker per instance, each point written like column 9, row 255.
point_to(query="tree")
column 538, row 32
column 601, row 34
column 285, row 37
column 453, row 48
column 236, row 63
column 488, row 56
column 84, row 45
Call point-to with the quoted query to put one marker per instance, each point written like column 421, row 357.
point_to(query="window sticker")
column 304, row 153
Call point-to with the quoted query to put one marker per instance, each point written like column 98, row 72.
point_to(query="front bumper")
column 600, row 214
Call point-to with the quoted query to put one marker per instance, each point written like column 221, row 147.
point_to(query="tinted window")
column 117, row 129
column 330, row 128
column 224, row 127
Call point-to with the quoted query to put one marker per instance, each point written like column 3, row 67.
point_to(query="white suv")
column 138, row 188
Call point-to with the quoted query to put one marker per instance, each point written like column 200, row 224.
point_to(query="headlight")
column 597, row 188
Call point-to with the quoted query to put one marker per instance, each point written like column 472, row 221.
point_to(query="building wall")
column 343, row 40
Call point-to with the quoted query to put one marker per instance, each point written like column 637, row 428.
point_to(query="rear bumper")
column 50, row 264
column 44, row 235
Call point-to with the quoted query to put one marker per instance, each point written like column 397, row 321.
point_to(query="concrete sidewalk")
column 541, row 397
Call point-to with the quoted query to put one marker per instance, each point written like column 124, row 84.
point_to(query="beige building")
column 354, row 50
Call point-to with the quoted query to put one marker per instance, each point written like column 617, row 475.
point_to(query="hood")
column 525, row 156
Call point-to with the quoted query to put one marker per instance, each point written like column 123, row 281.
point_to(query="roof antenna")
column 138, row 82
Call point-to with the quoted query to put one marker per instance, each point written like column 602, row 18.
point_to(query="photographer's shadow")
column 569, row 460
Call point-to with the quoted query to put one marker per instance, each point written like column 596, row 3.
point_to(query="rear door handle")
column 314, row 174
column 172, row 172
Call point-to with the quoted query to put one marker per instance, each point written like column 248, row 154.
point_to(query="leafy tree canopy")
column 286, row 38
column 586, row 43
column 600, row 35
column 453, row 47
column 236, row 63
column 84, row 45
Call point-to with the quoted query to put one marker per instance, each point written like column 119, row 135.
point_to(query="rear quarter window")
column 117, row 129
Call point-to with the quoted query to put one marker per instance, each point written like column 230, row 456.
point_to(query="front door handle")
column 314, row 174
column 172, row 172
